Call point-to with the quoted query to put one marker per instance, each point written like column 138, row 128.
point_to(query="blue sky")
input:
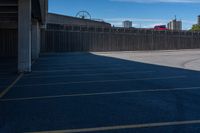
column 143, row 13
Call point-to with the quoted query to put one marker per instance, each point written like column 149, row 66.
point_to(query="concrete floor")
column 115, row 92
column 186, row 59
column 8, row 72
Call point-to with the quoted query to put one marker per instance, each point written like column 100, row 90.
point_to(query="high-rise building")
column 174, row 25
column 127, row 24
column 198, row 23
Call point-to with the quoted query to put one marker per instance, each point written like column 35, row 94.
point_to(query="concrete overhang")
column 40, row 10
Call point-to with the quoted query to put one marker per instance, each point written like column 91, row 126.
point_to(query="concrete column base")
column 24, row 36
column 35, row 40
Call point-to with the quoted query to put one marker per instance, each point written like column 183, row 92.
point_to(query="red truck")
column 160, row 27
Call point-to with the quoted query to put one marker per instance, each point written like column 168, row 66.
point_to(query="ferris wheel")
column 83, row 15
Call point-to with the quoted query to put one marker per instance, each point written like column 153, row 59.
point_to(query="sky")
column 143, row 13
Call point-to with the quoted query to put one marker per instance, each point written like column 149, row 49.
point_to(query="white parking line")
column 5, row 91
column 10, row 86
column 95, row 74
column 102, row 81
column 123, row 127
column 62, row 65
column 83, row 70
column 43, row 64
column 98, row 94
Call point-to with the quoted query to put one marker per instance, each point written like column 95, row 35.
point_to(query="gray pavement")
column 186, row 59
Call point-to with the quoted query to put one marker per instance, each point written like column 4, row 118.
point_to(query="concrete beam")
column 35, row 39
column 44, row 10
column 24, row 36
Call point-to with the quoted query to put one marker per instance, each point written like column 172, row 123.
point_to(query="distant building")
column 198, row 21
column 174, row 25
column 57, row 21
column 127, row 24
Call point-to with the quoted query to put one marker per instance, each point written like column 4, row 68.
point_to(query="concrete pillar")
column 24, row 35
column 35, row 40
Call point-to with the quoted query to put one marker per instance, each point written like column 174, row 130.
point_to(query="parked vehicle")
column 160, row 27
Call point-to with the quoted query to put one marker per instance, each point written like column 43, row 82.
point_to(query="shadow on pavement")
column 8, row 72
column 84, row 73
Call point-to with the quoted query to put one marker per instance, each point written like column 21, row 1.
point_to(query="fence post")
column 152, row 41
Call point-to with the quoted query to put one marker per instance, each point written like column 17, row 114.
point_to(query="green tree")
column 195, row 28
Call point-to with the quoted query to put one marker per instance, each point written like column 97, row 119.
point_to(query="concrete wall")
column 67, row 20
column 8, row 28
column 8, row 42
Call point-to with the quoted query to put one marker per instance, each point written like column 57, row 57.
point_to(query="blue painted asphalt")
column 169, row 129
column 8, row 72
column 85, row 73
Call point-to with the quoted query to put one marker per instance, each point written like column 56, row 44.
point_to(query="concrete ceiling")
column 9, row 12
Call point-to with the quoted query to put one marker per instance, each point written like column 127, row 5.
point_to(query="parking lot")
column 110, row 92
column 8, row 72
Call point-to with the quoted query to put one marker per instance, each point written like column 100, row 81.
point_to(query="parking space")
column 104, row 92
column 8, row 72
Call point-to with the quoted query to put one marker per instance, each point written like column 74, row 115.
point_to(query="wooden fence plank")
column 85, row 41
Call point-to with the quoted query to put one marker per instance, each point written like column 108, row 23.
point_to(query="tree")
column 195, row 28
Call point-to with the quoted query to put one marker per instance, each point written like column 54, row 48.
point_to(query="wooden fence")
column 134, row 40
column 8, row 42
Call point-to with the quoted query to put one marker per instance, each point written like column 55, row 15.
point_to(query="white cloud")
column 137, row 22
column 135, row 19
column 159, row 1
column 145, row 22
